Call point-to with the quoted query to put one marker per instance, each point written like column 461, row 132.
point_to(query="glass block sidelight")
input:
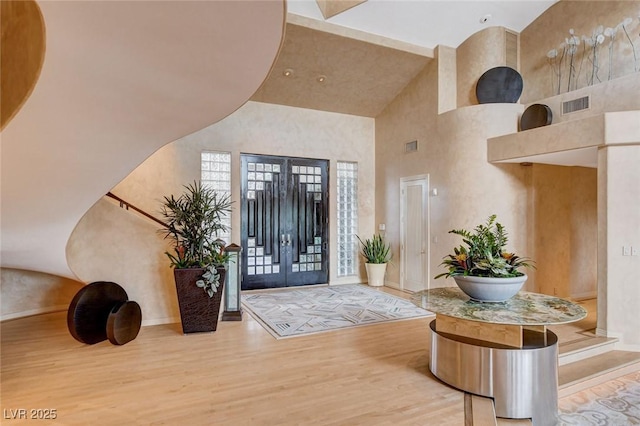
column 216, row 174
column 347, row 217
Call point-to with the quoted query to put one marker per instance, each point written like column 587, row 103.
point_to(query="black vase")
column 198, row 311
column 499, row 85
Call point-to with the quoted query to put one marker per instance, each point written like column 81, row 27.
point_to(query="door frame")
column 426, row 207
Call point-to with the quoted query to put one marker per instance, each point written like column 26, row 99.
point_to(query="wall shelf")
column 569, row 143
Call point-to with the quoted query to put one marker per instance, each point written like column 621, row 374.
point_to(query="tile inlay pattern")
column 616, row 402
column 297, row 311
column 523, row 309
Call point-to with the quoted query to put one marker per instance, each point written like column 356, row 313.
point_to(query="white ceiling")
column 429, row 23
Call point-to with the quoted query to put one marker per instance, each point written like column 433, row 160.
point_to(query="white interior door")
column 414, row 247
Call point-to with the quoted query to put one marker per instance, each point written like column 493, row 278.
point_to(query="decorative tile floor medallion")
column 297, row 311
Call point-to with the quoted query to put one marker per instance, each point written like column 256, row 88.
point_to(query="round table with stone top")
column 499, row 350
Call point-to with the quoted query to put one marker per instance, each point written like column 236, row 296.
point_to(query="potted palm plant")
column 192, row 222
column 483, row 269
column 377, row 254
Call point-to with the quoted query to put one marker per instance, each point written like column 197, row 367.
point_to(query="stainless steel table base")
column 522, row 382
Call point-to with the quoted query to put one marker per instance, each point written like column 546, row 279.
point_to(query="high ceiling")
column 328, row 72
column 428, row 23
column 357, row 61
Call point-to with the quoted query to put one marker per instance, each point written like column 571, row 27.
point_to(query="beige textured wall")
column 552, row 243
column 620, row 94
column 583, row 233
column 411, row 116
column 552, row 27
column 452, row 150
column 447, row 79
column 24, row 293
column 255, row 128
column 565, row 230
column 477, row 54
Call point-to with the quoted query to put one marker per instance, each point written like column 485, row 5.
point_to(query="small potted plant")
column 192, row 222
column 483, row 269
column 377, row 254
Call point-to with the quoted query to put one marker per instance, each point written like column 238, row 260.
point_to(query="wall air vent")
column 511, row 49
column 575, row 105
column 411, row 146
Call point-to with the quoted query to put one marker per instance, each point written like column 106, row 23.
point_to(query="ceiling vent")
column 575, row 105
column 411, row 146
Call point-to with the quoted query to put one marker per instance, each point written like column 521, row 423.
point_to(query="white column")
column 618, row 233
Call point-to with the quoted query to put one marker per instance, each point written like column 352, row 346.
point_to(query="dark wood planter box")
column 198, row 311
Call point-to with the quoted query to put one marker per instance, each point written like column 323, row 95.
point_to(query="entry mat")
column 303, row 310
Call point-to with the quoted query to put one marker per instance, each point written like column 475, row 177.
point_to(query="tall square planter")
column 198, row 311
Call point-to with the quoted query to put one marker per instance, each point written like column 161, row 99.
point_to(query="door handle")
column 288, row 239
column 282, row 239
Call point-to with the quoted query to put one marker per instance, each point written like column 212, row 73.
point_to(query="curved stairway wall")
column 119, row 81
column 27, row 293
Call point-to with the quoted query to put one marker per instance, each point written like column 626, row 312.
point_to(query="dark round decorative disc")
column 499, row 85
column 536, row 115
column 90, row 308
column 124, row 322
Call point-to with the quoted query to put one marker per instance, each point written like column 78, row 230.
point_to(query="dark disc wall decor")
column 499, row 85
column 90, row 308
column 123, row 324
column 536, row 115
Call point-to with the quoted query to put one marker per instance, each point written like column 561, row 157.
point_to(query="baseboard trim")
column 584, row 296
column 624, row 347
column 620, row 344
column 32, row 312
column 392, row 285
column 160, row 321
column 65, row 308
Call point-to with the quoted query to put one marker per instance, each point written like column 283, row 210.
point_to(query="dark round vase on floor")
column 198, row 311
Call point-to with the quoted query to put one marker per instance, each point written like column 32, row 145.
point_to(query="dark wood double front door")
column 285, row 229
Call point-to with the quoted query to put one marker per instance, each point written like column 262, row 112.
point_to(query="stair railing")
column 128, row 206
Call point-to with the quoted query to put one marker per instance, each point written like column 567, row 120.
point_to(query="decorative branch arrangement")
column 567, row 60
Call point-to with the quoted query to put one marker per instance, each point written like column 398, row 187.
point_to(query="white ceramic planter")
column 487, row 289
column 375, row 273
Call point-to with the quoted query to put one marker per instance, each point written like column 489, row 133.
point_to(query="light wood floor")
column 239, row 375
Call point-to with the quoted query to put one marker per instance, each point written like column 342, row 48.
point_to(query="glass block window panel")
column 216, row 174
column 347, row 218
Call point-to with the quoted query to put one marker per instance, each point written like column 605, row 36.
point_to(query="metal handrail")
column 127, row 205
